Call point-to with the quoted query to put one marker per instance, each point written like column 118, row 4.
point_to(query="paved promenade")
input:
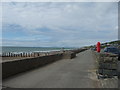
column 67, row 73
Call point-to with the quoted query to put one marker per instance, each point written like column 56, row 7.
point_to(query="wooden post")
column 11, row 55
column 25, row 54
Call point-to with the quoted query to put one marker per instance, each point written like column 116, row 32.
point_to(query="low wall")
column 107, row 64
column 13, row 67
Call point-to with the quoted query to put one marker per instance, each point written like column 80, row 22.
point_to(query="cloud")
column 59, row 24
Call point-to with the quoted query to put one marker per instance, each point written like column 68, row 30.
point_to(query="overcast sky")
column 59, row 24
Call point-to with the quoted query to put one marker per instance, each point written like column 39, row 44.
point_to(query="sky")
column 58, row 24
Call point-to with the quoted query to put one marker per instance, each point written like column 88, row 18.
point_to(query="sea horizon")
column 17, row 49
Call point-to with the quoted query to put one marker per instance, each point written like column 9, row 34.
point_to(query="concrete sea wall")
column 11, row 68
column 14, row 67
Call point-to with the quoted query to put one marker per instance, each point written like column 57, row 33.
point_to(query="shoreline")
column 13, row 57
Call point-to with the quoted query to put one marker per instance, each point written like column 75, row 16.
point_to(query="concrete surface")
column 67, row 73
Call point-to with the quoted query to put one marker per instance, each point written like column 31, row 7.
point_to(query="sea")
column 7, row 49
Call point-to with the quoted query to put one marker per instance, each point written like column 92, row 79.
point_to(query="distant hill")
column 103, row 45
column 112, row 43
column 115, row 42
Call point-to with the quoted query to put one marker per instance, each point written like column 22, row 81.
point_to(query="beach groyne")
column 13, row 67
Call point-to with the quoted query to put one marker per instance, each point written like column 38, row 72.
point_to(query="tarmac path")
column 67, row 73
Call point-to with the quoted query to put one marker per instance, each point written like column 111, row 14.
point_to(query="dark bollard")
column 16, row 55
column 23, row 54
column 3, row 54
column 12, row 55
column 9, row 54
column 30, row 54
column 37, row 54
column 26, row 54
column 19, row 55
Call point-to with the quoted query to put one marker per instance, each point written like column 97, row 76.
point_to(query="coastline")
column 25, row 55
